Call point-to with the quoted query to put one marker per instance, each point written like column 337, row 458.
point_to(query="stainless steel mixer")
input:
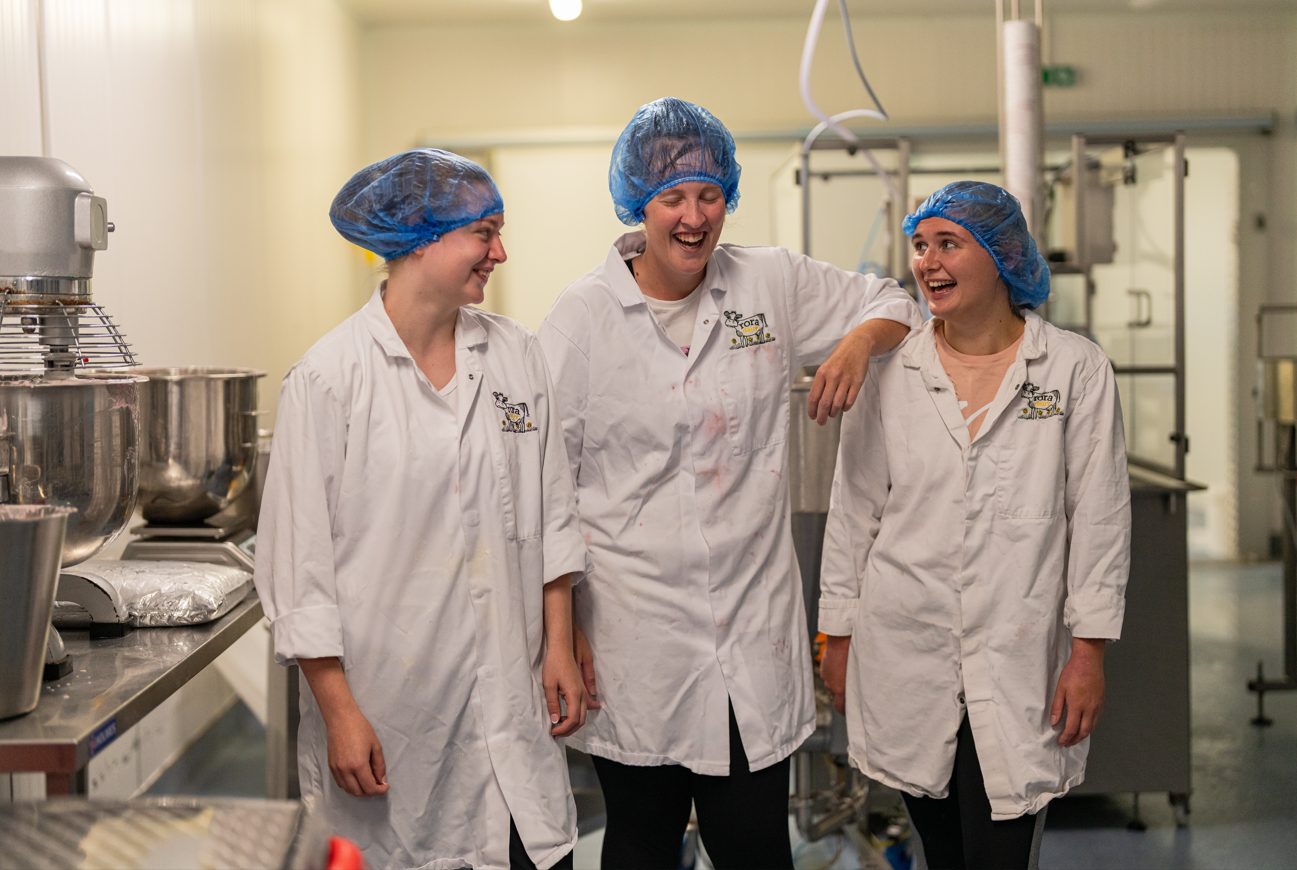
column 200, row 455
column 68, row 437
column 51, row 225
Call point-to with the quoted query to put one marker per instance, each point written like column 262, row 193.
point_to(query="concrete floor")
column 1244, row 805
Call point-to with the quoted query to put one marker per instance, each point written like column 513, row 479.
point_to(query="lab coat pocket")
column 1030, row 473
column 523, row 470
column 754, row 392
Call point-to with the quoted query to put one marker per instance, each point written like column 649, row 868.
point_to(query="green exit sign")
column 1059, row 76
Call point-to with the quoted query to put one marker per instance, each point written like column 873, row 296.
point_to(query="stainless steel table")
column 115, row 682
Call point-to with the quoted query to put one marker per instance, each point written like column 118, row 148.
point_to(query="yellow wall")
column 583, row 81
column 467, row 80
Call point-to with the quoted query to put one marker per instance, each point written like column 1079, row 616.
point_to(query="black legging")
column 742, row 818
column 520, row 860
column 957, row 831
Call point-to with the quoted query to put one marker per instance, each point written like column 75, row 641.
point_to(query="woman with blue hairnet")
column 978, row 544
column 418, row 542
column 673, row 361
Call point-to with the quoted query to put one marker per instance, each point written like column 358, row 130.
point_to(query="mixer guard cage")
column 34, row 336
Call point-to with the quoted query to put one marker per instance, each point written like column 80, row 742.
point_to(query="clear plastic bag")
column 171, row 593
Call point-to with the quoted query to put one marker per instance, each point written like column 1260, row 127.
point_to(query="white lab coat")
column 414, row 544
column 962, row 571
column 681, row 463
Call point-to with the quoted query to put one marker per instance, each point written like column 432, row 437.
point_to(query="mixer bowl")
column 200, row 447
column 73, row 443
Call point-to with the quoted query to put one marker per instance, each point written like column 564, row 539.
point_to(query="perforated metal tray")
column 149, row 833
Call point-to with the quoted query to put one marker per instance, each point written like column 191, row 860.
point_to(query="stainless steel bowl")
column 73, row 443
column 31, row 538
column 200, row 446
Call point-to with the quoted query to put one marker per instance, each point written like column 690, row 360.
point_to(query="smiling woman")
column 412, row 441
column 986, row 578
column 672, row 364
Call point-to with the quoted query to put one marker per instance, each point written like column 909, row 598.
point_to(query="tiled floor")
column 1244, row 786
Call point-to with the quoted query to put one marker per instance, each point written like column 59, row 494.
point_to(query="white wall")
column 218, row 130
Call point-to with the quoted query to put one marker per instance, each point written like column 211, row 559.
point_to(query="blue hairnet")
column 995, row 219
column 404, row 202
column 669, row 142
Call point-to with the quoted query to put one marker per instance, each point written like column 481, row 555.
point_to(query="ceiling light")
column 565, row 10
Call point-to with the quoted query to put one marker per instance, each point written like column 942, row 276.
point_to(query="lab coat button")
column 470, row 517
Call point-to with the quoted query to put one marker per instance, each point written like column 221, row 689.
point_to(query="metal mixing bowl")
column 200, row 442
column 73, row 443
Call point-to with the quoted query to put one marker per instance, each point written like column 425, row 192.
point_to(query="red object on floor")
column 344, row 855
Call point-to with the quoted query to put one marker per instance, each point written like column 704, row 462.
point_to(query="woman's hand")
column 562, row 678
column 1081, row 691
column 833, row 669
column 838, row 381
column 559, row 673
column 355, row 755
column 585, row 661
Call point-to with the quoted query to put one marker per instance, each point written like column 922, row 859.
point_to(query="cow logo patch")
column 515, row 415
column 1041, row 404
column 748, row 331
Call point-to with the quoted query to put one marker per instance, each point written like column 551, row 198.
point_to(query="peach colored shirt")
column 976, row 378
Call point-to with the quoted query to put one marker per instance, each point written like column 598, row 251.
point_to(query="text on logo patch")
column 1041, row 404
column 748, row 331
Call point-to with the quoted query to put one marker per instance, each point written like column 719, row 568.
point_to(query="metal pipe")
column 806, row 202
column 802, row 767
column 1080, row 174
column 901, row 250
column 1181, row 443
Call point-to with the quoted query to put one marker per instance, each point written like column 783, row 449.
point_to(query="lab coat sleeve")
column 825, row 303
column 1097, row 501
column 563, row 547
column 295, row 567
column 860, row 485
column 570, row 367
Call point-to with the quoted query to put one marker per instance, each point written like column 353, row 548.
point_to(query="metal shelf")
column 115, row 682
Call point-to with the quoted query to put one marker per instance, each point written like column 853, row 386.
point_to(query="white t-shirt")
column 449, row 396
column 676, row 316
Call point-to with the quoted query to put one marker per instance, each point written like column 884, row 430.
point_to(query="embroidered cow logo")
column 515, row 415
column 748, row 331
column 1041, row 404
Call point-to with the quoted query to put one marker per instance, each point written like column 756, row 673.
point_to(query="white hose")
column 831, row 122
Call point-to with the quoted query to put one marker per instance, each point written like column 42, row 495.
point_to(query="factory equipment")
column 200, row 454
column 1276, row 441
column 69, row 436
column 822, row 803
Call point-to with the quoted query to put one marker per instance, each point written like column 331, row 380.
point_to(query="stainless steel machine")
column 68, row 436
column 1276, row 437
column 201, row 452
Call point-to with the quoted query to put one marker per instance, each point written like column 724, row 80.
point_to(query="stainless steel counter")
column 114, row 684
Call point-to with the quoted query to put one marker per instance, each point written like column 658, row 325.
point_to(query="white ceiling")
column 510, row 11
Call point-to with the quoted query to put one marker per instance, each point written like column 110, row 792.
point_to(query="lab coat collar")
column 920, row 352
column 622, row 282
column 380, row 325
column 469, row 331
